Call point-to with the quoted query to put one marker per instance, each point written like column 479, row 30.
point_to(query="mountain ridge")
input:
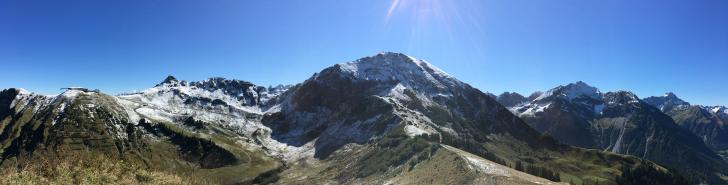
column 616, row 121
column 708, row 122
column 369, row 121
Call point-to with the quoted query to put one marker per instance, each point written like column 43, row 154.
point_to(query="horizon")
column 273, row 85
column 649, row 47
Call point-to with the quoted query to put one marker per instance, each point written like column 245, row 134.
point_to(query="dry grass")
column 86, row 169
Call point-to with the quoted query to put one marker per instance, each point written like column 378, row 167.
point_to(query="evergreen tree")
column 648, row 175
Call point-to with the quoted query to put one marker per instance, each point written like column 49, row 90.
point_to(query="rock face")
column 510, row 99
column 380, row 119
column 619, row 122
column 667, row 103
column 707, row 122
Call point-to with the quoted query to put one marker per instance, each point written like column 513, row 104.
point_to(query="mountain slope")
column 380, row 119
column 619, row 122
column 388, row 99
column 510, row 99
column 707, row 122
column 37, row 127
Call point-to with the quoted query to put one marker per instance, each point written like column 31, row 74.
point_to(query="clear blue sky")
column 649, row 46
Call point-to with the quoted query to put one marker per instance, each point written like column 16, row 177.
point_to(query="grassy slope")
column 87, row 168
column 575, row 165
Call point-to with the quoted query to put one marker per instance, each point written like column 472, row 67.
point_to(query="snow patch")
column 485, row 166
column 530, row 109
column 412, row 130
column 129, row 107
column 155, row 114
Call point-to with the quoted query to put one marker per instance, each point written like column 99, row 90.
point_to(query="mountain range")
column 382, row 119
column 619, row 122
column 706, row 122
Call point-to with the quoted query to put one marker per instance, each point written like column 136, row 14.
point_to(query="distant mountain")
column 619, row 122
column 707, row 122
column 383, row 119
column 510, row 99
column 667, row 103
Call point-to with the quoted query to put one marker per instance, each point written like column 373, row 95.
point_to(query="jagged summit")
column 621, row 97
column 719, row 109
column 666, row 102
column 227, row 85
column 16, row 91
column 170, row 80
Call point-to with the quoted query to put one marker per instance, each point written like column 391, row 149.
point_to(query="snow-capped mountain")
column 710, row 123
column 667, row 102
column 619, row 122
column 721, row 111
column 368, row 103
column 232, row 103
column 388, row 118
column 570, row 92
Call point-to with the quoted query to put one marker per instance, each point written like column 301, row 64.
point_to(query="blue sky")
column 649, row 46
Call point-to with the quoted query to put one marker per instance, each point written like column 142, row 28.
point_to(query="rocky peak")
column 222, row 83
column 534, row 95
column 169, row 81
column 666, row 102
column 621, row 97
column 670, row 95
column 721, row 111
column 6, row 99
column 510, row 99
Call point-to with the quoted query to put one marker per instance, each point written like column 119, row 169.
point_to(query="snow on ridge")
column 529, row 109
column 71, row 93
column 721, row 111
column 572, row 91
column 397, row 67
column 23, row 91
column 716, row 109
column 618, row 97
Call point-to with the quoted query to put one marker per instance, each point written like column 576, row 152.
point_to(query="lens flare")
column 427, row 18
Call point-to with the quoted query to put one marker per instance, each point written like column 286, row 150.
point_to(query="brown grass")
column 86, row 169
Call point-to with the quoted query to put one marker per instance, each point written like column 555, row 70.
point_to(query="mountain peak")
column 394, row 67
column 17, row 90
column 666, row 102
column 572, row 91
column 623, row 93
column 510, row 99
column 670, row 95
column 581, row 85
column 719, row 110
column 170, row 80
